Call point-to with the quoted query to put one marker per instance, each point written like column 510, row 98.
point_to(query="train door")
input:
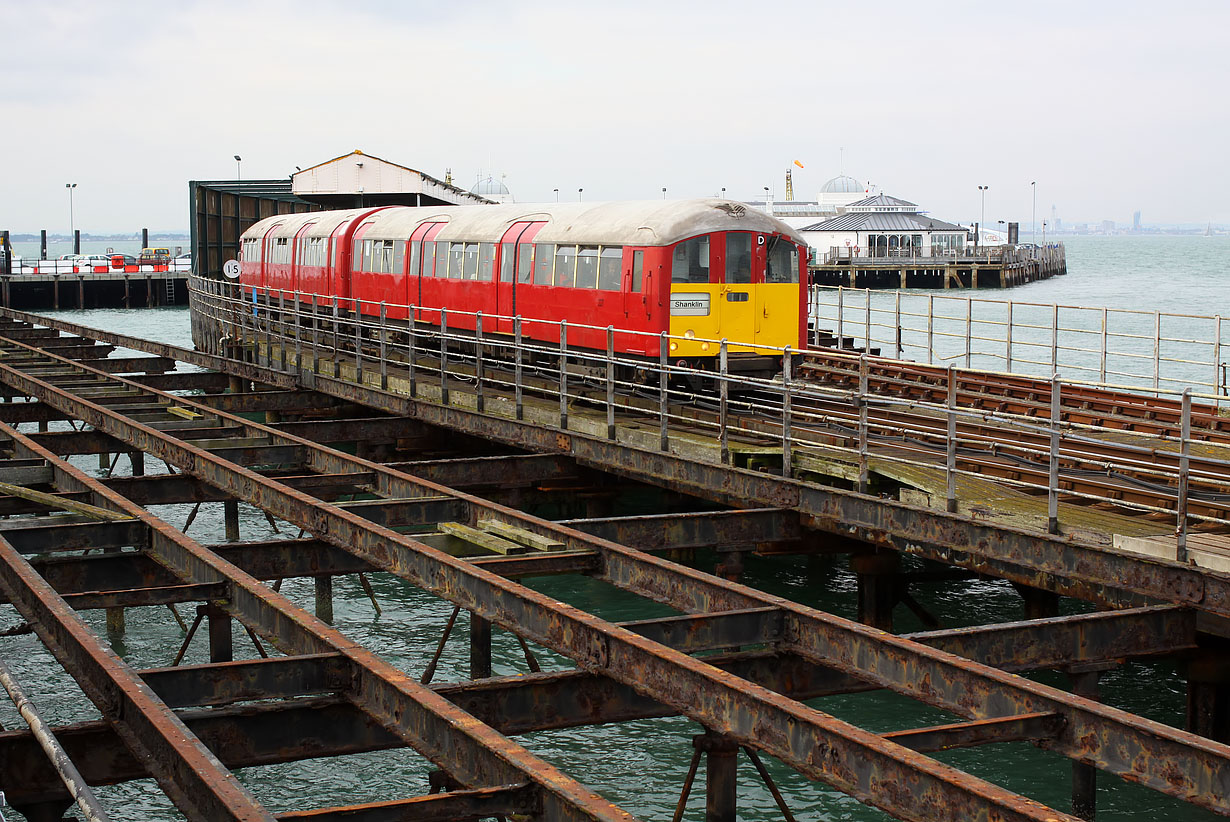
column 782, row 304
column 343, row 283
column 516, row 254
column 268, row 243
column 414, row 266
column 743, row 255
column 434, row 263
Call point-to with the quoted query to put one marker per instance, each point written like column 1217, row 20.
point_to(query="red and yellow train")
column 700, row 270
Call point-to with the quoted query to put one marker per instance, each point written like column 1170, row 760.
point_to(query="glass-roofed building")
column 883, row 226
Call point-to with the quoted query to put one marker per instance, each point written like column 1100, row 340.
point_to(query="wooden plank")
column 57, row 503
column 520, row 535
column 490, row 542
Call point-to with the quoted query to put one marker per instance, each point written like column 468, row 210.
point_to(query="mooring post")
column 230, row 513
column 878, row 576
column 480, row 647
column 721, row 775
column 324, row 598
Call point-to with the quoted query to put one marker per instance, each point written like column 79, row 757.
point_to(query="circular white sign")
column 231, row 269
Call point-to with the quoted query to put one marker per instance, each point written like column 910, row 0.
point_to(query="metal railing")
column 1137, row 349
column 785, row 424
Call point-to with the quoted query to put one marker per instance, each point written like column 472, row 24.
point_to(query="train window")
column 544, row 256
column 610, row 267
column 281, row 251
column 471, row 261
column 638, row 270
column 399, row 252
column 525, row 263
column 738, row 258
column 565, row 265
column 587, row 267
column 456, row 260
column 429, row 259
column 783, row 262
column 691, row 261
column 506, row 262
column 416, row 249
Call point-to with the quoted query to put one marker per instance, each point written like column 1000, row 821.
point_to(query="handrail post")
column 1008, row 341
column 298, row 333
column 1184, row 470
column 1054, row 337
column 480, row 404
column 412, row 352
column 563, row 375
column 1052, row 484
column 518, row 390
column 444, row 356
column 1157, row 352
column 663, row 379
column 930, row 328
column 1215, row 389
column 610, row 382
column 315, row 336
column 841, row 316
column 1105, row 330
column 282, row 328
column 358, row 342
column 337, row 360
column 897, row 319
column 867, row 320
column 787, row 444
column 384, row 351
column 723, row 402
column 863, row 433
column 950, row 460
column 969, row 330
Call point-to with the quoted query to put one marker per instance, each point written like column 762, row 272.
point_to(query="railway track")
column 225, row 451
column 1019, row 395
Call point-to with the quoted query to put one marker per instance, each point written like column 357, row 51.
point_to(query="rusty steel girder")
column 853, row 760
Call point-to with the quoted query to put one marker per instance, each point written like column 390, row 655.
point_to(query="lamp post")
column 1044, row 232
column 723, row 192
column 579, row 190
column 982, row 220
column 72, row 233
column 768, row 204
column 1033, row 219
column 557, row 195
column 663, row 192
column 238, row 173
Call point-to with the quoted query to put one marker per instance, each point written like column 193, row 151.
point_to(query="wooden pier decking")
column 987, row 268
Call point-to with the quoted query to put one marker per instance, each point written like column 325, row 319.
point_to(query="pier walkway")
column 397, row 450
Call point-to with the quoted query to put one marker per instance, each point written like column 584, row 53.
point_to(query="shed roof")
column 883, row 221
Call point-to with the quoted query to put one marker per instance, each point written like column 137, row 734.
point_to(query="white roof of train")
column 634, row 222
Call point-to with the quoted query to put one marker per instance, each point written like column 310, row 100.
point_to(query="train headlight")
column 704, row 346
column 689, row 334
column 674, row 346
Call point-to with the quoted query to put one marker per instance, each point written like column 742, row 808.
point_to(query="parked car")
column 154, row 256
column 93, row 262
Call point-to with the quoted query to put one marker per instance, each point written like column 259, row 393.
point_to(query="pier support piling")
column 879, row 586
column 230, row 513
column 480, row 647
column 1208, row 695
column 324, row 598
column 721, row 776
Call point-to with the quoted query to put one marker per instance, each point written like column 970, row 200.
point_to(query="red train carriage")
column 701, row 270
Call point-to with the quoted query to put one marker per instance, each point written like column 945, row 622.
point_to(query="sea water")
column 642, row 765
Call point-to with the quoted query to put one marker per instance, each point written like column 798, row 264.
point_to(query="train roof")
column 625, row 222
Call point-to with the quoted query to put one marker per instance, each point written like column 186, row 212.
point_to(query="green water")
column 640, row 765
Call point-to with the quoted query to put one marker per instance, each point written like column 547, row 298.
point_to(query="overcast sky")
column 1110, row 107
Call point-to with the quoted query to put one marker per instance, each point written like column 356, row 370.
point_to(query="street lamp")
column 72, row 233
column 579, row 190
column 238, row 174
column 663, row 192
column 983, row 221
column 1044, row 233
column 1033, row 186
column 557, row 195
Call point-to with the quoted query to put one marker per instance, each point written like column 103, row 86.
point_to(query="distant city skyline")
column 1073, row 103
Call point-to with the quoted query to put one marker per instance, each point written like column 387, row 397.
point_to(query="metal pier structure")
column 404, row 450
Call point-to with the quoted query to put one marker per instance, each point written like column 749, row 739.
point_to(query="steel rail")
column 1095, row 733
column 1063, row 565
column 820, row 746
